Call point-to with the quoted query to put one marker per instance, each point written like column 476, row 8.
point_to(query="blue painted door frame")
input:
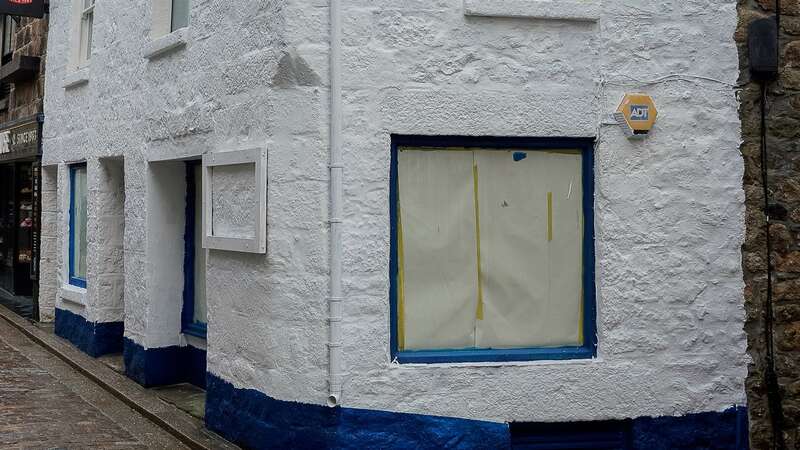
column 189, row 325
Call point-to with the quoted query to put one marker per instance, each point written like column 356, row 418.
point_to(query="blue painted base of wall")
column 713, row 430
column 725, row 430
column 254, row 420
column 164, row 366
column 94, row 339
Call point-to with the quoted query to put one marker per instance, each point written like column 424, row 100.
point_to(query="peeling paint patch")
column 293, row 70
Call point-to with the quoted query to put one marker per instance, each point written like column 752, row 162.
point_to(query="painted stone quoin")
column 401, row 224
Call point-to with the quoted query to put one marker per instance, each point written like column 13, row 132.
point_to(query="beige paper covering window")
column 530, row 249
column 439, row 265
column 532, row 286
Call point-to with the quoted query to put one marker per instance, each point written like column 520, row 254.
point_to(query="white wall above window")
column 235, row 201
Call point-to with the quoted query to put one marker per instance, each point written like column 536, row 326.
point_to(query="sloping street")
column 44, row 403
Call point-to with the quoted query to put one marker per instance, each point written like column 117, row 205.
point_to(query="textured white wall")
column 108, row 254
column 49, row 267
column 166, row 225
column 669, row 210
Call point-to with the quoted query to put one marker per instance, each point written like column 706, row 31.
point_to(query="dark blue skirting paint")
column 726, row 430
column 94, row 339
column 254, row 420
column 164, row 366
column 713, row 430
column 194, row 363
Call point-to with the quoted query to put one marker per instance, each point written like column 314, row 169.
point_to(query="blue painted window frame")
column 73, row 280
column 586, row 351
column 188, row 325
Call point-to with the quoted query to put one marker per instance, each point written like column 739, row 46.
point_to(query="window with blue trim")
column 492, row 253
column 180, row 14
column 77, row 225
column 194, row 265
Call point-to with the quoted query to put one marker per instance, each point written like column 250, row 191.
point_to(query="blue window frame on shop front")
column 77, row 225
column 518, row 148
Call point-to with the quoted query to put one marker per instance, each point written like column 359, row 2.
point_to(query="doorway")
column 18, row 227
column 194, row 315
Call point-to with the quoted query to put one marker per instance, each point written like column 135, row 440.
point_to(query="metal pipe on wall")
column 336, row 192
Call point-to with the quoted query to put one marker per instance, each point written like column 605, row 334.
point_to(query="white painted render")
column 668, row 214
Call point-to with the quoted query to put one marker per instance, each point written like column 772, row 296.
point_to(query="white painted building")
column 452, row 191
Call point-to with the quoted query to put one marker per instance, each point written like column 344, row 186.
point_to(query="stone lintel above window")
column 578, row 10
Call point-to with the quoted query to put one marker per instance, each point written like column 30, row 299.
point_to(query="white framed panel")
column 254, row 238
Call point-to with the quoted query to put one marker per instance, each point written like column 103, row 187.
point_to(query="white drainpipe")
column 336, row 169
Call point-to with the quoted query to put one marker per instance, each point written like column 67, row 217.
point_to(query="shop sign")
column 28, row 8
column 36, row 214
column 20, row 142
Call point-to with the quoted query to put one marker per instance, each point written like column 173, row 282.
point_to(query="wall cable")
column 770, row 375
column 667, row 78
column 774, row 400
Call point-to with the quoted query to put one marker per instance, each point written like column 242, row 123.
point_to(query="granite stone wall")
column 25, row 98
column 783, row 164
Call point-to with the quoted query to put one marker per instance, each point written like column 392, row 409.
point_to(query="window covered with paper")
column 489, row 248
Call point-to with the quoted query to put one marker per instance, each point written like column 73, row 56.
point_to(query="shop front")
column 20, row 206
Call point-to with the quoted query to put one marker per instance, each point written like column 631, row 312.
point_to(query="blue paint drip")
column 164, row 366
column 519, row 156
column 94, row 339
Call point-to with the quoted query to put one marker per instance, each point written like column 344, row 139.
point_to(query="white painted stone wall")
column 49, row 264
column 669, row 210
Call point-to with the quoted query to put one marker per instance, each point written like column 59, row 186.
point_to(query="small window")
column 180, row 14
column 9, row 28
column 87, row 23
column 77, row 226
column 194, row 269
column 492, row 250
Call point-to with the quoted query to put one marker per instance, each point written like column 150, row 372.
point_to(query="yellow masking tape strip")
column 580, row 327
column 581, row 337
column 549, row 216
column 401, row 310
column 563, row 152
column 479, row 311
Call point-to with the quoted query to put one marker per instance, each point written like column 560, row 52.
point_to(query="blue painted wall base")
column 164, row 366
column 254, row 420
column 712, row 430
column 94, row 339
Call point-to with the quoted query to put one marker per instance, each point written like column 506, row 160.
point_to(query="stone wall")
column 25, row 98
column 783, row 140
